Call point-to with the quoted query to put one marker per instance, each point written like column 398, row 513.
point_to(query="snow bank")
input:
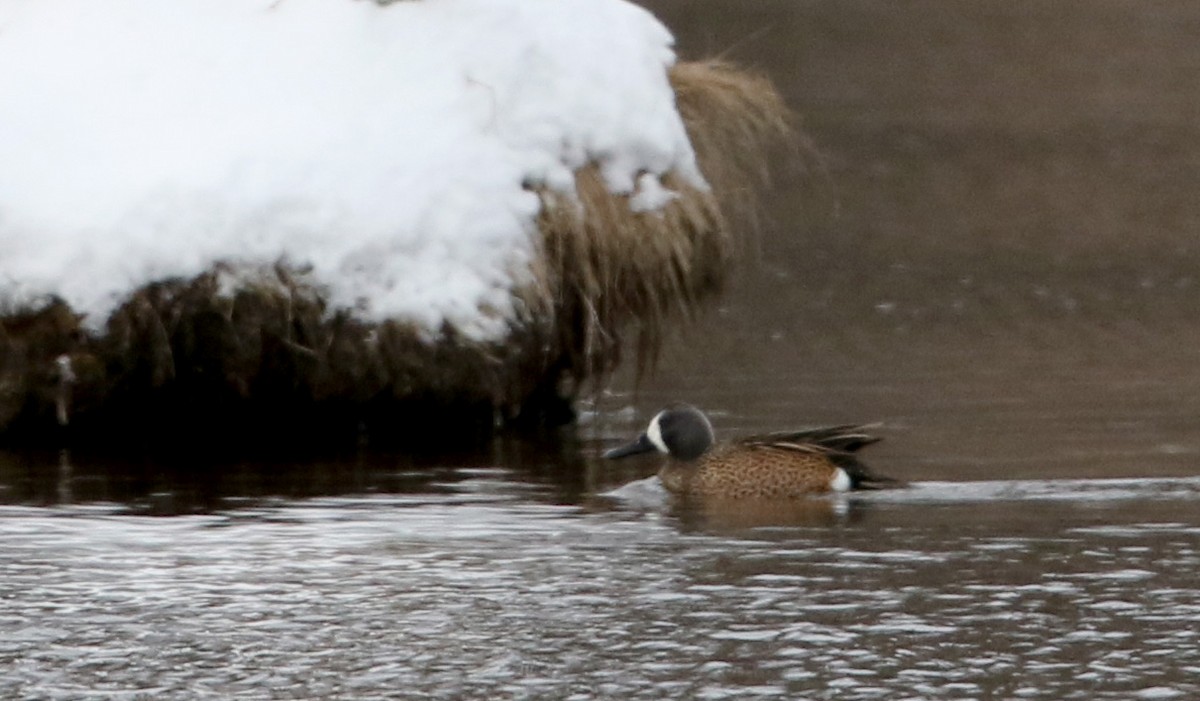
column 388, row 149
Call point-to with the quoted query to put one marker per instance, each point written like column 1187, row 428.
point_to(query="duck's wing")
column 846, row 438
column 837, row 443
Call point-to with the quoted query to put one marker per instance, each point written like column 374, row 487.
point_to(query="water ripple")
column 446, row 597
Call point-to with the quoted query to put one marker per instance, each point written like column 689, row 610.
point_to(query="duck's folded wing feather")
column 846, row 438
column 837, row 443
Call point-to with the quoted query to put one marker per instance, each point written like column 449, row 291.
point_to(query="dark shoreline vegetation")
column 183, row 363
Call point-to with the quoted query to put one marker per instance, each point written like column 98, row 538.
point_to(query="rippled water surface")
column 485, row 585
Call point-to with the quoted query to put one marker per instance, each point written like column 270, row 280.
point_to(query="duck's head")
column 680, row 430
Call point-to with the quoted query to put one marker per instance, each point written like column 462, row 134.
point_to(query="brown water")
column 1000, row 264
column 1002, row 261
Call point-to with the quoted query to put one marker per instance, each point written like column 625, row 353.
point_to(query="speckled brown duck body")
column 782, row 465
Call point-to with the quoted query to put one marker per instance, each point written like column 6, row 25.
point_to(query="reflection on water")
column 487, row 586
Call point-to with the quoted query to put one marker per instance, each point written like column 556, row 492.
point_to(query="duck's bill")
column 641, row 445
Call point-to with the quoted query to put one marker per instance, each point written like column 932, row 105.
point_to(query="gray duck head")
column 680, row 430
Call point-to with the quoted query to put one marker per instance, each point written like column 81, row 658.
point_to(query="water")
column 488, row 586
column 1000, row 267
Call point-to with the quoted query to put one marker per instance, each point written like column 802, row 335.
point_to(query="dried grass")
column 272, row 359
column 608, row 268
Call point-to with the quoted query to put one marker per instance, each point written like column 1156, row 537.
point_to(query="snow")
column 388, row 149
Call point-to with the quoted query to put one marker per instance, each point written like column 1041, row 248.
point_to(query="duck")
column 781, row 465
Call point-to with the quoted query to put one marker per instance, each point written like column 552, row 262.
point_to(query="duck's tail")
column 862, row 477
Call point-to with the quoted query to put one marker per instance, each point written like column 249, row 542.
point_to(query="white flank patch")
column 388, row 149
column 840, row 482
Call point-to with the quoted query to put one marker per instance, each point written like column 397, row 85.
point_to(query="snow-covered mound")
column 391, row 150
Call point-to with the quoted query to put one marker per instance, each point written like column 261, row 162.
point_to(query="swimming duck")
column 786, row 464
